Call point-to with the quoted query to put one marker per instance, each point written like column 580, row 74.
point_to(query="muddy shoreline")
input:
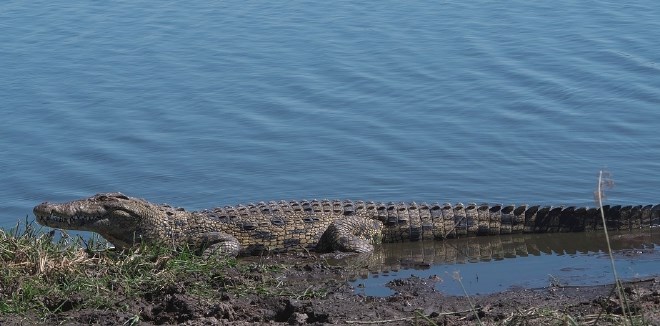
column 306, row 289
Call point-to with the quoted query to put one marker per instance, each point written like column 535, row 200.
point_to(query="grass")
column 48, row 273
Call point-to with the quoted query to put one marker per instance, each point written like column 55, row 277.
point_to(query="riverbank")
column 69, row 281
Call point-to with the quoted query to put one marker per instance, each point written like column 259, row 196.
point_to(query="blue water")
column 573, row 270
column 487, row 265
column 207, row 103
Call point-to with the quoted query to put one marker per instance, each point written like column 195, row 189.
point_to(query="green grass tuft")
column 45, row 274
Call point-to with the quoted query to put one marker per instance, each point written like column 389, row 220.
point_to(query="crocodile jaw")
column 68, row 217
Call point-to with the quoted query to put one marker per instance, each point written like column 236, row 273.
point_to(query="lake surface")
column 210, row 103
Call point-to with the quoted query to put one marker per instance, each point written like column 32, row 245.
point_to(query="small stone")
column 298, row 318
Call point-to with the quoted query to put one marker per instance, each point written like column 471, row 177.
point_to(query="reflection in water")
column 487, row 263
column 475, row 249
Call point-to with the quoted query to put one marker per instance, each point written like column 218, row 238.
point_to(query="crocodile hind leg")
column 351, row 234
column 218, row 243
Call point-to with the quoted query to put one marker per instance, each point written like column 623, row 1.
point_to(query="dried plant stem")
column 619, row 287
column 457, row 276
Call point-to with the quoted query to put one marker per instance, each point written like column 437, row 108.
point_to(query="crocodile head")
column 120, row 219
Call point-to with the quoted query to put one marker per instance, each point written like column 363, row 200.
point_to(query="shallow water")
column 492, row 264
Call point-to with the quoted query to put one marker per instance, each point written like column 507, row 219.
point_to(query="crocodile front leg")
column 351, row 234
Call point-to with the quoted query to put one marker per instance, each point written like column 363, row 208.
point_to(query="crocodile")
column 321, row 225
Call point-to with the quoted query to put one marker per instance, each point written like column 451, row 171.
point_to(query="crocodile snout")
column 42, row 209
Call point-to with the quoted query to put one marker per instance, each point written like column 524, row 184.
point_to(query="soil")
column 310, row 290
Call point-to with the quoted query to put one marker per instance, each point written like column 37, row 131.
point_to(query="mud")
column 311, row 290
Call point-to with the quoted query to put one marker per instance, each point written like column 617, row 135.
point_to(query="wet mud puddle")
column 493, row 264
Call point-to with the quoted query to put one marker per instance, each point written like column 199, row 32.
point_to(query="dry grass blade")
column 605, row 181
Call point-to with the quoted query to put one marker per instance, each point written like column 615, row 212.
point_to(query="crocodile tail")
column 412, row 221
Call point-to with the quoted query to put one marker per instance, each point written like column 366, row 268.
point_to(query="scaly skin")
column 319, row 225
